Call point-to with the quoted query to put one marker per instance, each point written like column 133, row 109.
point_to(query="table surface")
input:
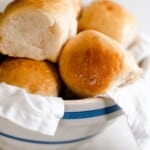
column 118, row 136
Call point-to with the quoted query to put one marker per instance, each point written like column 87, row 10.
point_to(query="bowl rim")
column 89, row 100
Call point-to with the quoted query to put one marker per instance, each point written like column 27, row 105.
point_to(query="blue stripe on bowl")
column 44, row 142
column 69, row 115
column 91, row 113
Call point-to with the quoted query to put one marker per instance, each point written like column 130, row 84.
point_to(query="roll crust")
column 111, row 19
column 92, row 64
column 36, row 77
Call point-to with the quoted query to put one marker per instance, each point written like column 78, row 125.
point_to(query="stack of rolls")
column 43, row 51
column 32, row 31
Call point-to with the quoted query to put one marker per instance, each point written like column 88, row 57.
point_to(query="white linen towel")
column 134, row 99
column 32, row 112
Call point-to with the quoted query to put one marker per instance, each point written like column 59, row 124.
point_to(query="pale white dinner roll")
column 37, row 29
column 77, row 4
column 36, row 77
column 111, row 19
column 92, row 63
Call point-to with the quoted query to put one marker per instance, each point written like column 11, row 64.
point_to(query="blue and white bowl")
column 83, row 119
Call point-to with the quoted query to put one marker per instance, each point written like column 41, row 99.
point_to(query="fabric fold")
column 32, row 112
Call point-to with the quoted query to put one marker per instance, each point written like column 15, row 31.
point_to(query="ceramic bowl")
column 83, row 119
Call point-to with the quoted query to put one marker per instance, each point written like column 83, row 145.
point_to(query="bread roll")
column 0, row 16
column 111, row 19
column 37, row 77
column 77, row 4
column 92, row 63
column 37, row 29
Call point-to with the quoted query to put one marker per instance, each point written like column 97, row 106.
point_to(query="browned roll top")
column 92, row 63
column 37, row 77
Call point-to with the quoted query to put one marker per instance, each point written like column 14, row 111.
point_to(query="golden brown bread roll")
column 92, row 63
column 111, row 19
column 37, row 77
column 38, row 28
column 0, row 16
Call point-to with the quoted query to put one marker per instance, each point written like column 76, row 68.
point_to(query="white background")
column 118, row 136
column 141, row 10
